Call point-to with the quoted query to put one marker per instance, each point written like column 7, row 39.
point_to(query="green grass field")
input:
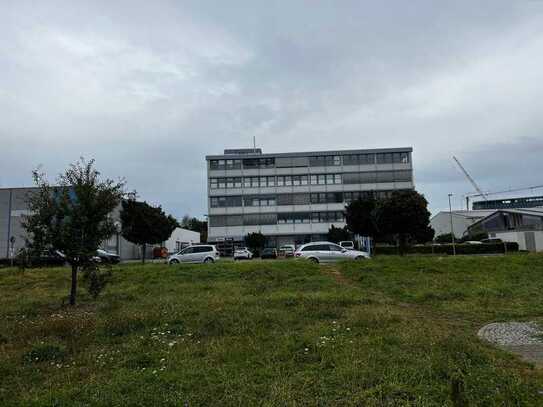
column 386, row 332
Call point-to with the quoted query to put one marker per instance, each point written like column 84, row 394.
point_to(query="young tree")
column 361, row 217
column 405, row 216
column 337, row 235
column 255, row 241
column 74, row 216
column 143, row 224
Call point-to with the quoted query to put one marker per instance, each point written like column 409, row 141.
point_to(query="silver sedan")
column 327, row 252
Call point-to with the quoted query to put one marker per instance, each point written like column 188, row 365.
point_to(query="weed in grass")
column 45, row 352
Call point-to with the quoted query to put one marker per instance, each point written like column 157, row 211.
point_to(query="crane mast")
column 472, row 181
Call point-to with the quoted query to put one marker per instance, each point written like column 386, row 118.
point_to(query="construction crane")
column 472, row 181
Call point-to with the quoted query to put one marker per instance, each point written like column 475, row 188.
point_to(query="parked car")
column 103, row 256
column 327, row 252
column 202, row 253
column 47, row 258
column 242, row 253
column 348, row 244
column 287, row 250
column 269, row 254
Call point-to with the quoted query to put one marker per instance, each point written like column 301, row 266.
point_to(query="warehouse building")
column 13, row 206
column 524, row 226
column 293, row 198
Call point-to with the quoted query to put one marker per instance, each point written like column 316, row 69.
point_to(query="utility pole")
column 452, row 228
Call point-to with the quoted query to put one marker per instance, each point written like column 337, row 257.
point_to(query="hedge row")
column 485, row 248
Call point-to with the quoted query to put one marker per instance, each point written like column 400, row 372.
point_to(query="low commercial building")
column 524, row 226
column 294, row 198
column 461, row 220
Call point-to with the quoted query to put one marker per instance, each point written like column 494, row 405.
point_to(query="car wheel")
column 314, row 260
column 208, row 260
column 359, row 258
column 174, row 261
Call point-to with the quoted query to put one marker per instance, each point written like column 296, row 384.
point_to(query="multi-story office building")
column 294, row 198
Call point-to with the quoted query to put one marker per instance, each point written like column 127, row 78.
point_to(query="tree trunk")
column 73, row 290
column 143, row 249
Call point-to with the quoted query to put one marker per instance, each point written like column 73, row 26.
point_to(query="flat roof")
column 310, row 153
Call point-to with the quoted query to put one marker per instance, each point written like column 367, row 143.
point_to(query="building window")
column 280, row 181
column 321, row 179
column 271, row 181
column 288, row 180
column 263, row 182
column 222, row 183
column 303, row 179
column 246, row 182
column 296, row 181
column 384, row 158
column 213, row 183
column 313, row 180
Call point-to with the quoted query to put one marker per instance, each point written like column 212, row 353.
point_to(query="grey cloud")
column 150, row 88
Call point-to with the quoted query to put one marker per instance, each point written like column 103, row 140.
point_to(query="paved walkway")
column 521, row 338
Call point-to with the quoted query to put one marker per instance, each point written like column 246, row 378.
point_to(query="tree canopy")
column 255, row 241
column 337, row 235
column 143, row 224
column 73, row 216
column 362, row 216
column 196, row 225
column 405, row 215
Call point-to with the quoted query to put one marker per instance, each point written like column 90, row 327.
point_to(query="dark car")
column 269, row 254
column 47, row 258
column 107, row 257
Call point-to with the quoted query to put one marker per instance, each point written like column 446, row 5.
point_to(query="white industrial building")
column 180, row 238
column 461, row 220
column 294, row 198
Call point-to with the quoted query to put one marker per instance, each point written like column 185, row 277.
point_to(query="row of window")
column 313, row 179
column 313, row 161
column 293, row 199
column 275, row 218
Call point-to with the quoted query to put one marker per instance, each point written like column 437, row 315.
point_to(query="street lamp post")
column 452, row 228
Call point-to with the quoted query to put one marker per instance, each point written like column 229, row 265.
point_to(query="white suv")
column 195, row 254
column 327, row 252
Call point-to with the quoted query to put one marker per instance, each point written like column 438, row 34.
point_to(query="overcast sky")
column 149, row 88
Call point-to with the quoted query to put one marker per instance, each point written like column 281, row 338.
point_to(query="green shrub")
column 485, row 248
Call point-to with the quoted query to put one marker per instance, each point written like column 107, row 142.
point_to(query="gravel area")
column 512, row 333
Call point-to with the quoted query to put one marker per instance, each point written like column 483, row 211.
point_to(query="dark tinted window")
column 202, row 249
column 335, row 248
column 316, row 247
